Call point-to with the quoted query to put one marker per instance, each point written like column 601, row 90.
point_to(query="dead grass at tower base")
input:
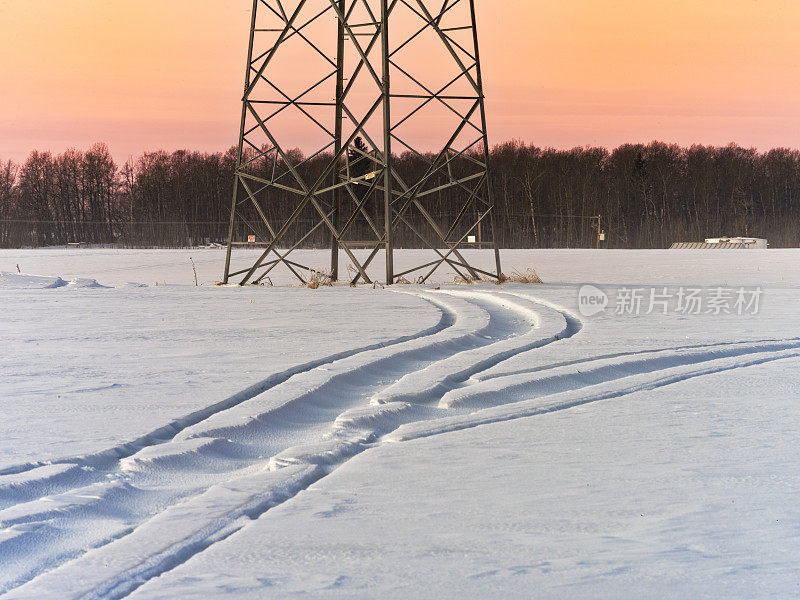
column 529, row 276
column 319, row 279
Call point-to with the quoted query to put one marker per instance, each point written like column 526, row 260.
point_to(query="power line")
column 226, row 223
column 51, row 222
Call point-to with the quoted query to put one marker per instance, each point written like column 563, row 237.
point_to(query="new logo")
column 591, row 300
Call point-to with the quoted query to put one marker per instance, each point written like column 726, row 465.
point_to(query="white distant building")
column 724, row 243
column 748, row 242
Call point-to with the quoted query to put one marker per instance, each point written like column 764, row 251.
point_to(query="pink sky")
column 149, row 74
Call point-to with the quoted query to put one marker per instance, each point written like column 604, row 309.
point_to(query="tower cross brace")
column 360, row 81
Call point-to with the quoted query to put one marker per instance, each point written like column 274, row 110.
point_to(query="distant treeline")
column 647, row 195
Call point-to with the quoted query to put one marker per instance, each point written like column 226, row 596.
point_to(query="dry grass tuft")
column 465, row 280
column 402, row 281
column 319, row 279
column 470, row 280
column 527, row 276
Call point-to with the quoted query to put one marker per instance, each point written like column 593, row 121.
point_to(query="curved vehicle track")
column 149, row 505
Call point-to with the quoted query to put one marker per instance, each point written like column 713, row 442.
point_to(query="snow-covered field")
column 438, row 441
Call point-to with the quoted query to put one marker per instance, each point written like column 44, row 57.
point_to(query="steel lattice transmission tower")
column 389, row 95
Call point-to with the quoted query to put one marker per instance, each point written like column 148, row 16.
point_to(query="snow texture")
column 441, row 441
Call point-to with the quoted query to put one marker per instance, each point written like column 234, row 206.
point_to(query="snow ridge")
column 169, row 431
column 229, row 463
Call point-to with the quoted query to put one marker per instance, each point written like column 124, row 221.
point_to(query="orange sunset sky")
column 149, row 74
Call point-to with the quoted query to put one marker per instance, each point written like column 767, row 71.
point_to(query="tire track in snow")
column 328, row 439
column 294, row 403
column 572, row 399
column 579, row 361
column 552, row 324
column 547, row 382
column 518, row 410
column 58, row 478
column 192, row 527
column 167, row 432
column 473, row 324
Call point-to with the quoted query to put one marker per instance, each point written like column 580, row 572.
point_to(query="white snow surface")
column 436, row 441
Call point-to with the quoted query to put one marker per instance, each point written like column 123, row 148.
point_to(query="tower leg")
column 387, row 144
column 227, row 275
column 240, row 149
column 486, row 154
column 337, row 173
